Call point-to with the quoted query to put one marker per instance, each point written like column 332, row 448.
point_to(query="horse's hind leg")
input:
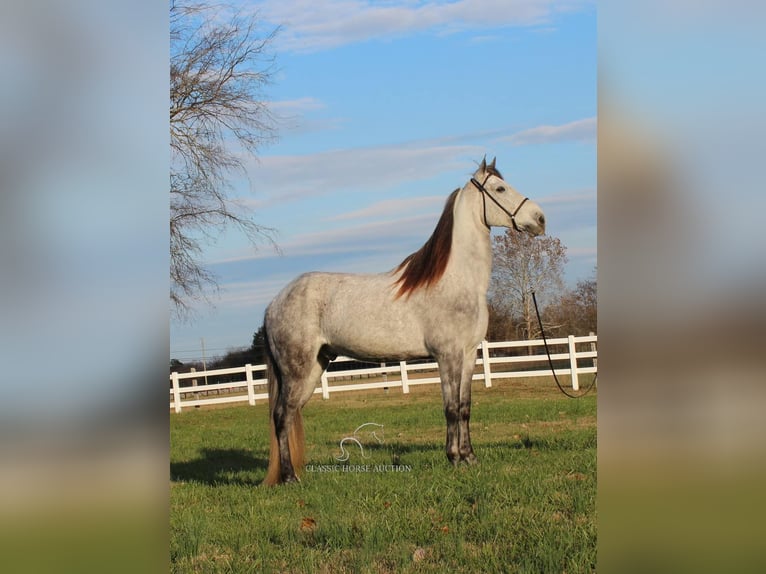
column 297, row 388
column 285, row 421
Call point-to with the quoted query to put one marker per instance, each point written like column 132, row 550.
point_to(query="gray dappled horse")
column 434, row 304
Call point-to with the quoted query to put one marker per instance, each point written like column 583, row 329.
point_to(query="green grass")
column 529, row 506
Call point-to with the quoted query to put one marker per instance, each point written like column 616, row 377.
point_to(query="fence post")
column 405, row 378
column 194, row 384
column 176, row 392
column 593, row 348
column 250, row 387
column 573, row 363
column 485, row 364
column 325, row 388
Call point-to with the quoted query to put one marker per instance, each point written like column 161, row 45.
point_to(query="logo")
column 372, row 430
column 363, row 435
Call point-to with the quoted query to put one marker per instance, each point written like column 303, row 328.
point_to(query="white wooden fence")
column 253, row 389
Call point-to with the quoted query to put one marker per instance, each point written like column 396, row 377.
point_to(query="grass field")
column 529, row 506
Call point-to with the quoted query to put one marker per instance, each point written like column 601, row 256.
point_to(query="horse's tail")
column 295, row 439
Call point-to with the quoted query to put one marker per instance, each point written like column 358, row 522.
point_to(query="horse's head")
column 504, row 206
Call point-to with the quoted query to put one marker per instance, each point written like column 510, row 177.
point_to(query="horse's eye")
column 501, row 189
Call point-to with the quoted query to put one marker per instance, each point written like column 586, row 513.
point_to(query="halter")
column 485, row 194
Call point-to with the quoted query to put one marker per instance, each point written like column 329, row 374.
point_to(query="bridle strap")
column 485, row 194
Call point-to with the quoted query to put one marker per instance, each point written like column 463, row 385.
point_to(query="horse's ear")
column 483, row 166
column 492, row 165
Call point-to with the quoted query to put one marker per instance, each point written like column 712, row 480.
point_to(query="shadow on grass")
column 220, row 466
column 524, row 442
column 392, row 452
column 394, row 447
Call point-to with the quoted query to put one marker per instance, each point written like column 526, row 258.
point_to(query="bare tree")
column 219, row 66
column 502, row 326
column 575, row 311
column 523, row 264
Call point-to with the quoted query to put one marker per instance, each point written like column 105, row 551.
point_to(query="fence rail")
column 490, row 366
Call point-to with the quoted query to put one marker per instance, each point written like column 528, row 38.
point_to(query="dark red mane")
column 426, row 266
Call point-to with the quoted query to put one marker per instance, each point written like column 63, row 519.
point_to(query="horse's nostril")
column 541, row 219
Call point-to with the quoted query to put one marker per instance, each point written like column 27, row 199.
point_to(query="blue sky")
column 383, row 109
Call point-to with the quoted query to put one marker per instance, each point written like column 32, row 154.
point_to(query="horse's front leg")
column 465, row 449
column 450, row 369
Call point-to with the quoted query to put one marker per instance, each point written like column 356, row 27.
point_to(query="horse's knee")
column 451, row 413
column 465, row 411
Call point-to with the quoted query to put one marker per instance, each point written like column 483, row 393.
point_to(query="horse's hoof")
column 470, row 459
column 290, row 479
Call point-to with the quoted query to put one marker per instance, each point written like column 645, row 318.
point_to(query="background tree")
column 219, row 66
column 237, row 357
column 587, row 304
column 575, row 311
column 522, row 264
column 255, row 354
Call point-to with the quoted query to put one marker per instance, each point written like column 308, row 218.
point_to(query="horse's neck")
column 471, row 254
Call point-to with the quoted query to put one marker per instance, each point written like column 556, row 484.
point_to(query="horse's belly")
column 375, row 333
column 372, row 343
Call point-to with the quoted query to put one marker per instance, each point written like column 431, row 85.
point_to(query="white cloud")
column 312, row 25
column 581, row 252
column 289, row 178
column 580, row 130
column 386, row 236
column 250, row 293
column 296, row 106
column 286, row 178
column 297, row 116
column 390, row 207
column 383, row 245
column 578, row 196
column 363, row 235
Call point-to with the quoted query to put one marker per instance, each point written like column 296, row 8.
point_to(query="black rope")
column 550, row 361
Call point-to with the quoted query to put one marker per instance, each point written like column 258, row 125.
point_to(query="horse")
column 433, row 304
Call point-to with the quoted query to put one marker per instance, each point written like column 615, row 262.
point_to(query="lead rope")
column 550, row 361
